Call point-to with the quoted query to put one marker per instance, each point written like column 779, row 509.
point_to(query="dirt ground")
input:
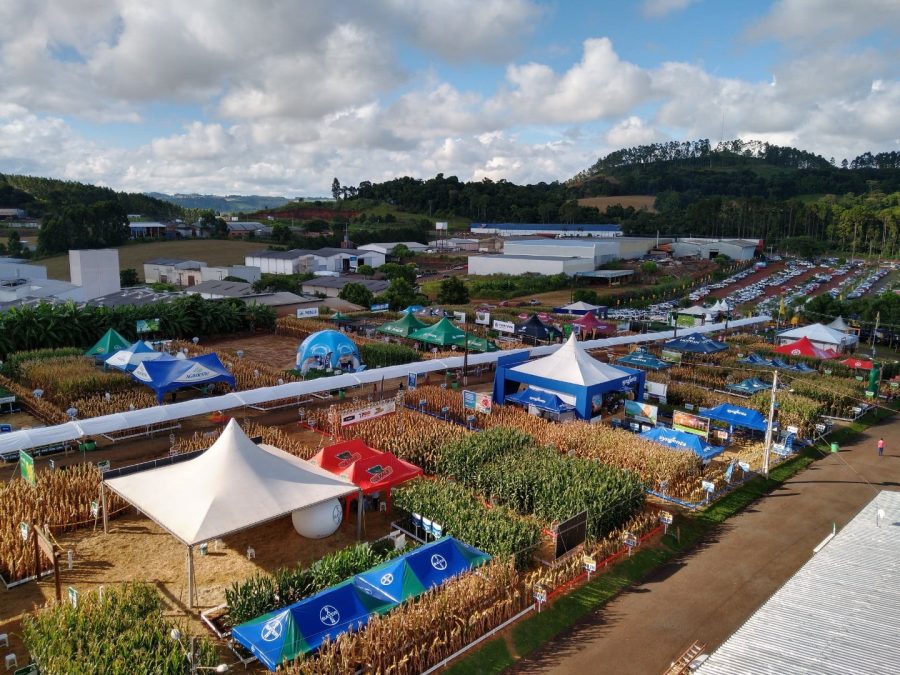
column 276, row 351
column 638, row 202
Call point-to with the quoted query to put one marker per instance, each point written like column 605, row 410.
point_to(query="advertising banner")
column 146, row 325
column 483, row 404
column 469, row 399
column 381, row 307
column 483, row 318
column 369, row 412
column 690, row 423
column 504, row 326
column 671, row 356
column 459, row 317
column 411, row 380
column 657, row 389
column 26, row 466
column 643, row 412
column 307, row 312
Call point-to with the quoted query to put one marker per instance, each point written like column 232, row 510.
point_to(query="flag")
column 781, row 307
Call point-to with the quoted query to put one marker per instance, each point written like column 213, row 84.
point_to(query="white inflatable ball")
column 321, row 520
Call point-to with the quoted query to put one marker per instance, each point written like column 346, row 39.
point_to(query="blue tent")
column 168, row 374
column 544, row 400
column 327, row 348
column 736, row 416
column 128, row 359
column 644, row 359
column 749, row 386
column 755, row 360
column 681, row 440
column 412, row 309
column 803, row 368
column 696, row 343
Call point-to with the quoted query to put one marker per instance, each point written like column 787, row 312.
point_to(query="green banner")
column 26, row 465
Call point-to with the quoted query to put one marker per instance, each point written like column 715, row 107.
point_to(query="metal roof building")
column 838, row 614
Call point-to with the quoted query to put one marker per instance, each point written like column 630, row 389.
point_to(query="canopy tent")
column 412, row 309
column 233, row 486
column 403, row 326
column 535, row 329
column 169, row 374
column 129, row 358
column 644, row 359
column 580, row 308
column 681, row 440
column 571, row 371
column 804, row 347
column 839, row 324
column 327, row 348
column 748, row 387
column 859, row 364
column 302, row 627
column 541, row 399
column 340, row 317
column 335, row 458
column 110, row 343
column 480, row 344
column 821, row 336
column 755, row 360
column 442, row 334
column 696, row 343
column 736, row 416
column 589, row 323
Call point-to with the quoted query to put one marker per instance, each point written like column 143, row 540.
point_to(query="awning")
column 736, row 416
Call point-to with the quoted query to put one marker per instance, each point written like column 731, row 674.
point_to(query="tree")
column 400, row 294
column 356, row 293
column 365, row 270
column 396, row 271
column 316, row 225
column 83, row 226
column 453, row 292
column 721, row 260
column 649, row 267
column 336, row 189
column 282, row 233
column 402, row 252
column 129, row 277
column 14, row 244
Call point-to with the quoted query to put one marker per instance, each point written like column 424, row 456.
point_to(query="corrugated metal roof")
column 838, row 614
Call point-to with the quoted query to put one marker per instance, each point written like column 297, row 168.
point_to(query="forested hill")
column 223, row 204
column 40, row 196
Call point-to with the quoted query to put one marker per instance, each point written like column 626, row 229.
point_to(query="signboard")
column 369, row 412
column 690, row 423
column 411, row 380
column 540, row 594
column 666, row 518
column 686, row 320
column 708, row 486
column 103, row 465
column 504, row 326
column 95, row 509
column 307, row 312
column 26, row 466
column 744, row 466
column 146, row 325
column 469, row 399
column 630, row 540
column 730, row 471
column 459, row 317
column 483, row 404
column 23, row 530
column 671, row 356
column 483, row 318
column 73, row 596
column 590, row 563
column 440, row 225
column 657, row 389
column 643, row 412
column 380, row 307
column 570, row 533
column 52, row 464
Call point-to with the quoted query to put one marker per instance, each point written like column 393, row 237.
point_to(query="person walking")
column 880, row 447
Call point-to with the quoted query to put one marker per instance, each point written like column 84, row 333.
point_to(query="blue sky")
column 227, row 96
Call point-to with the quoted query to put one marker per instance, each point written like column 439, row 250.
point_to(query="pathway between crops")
column 710, row 592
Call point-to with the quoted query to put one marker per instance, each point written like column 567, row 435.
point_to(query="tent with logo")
column 535, row 329
column 480, row 344
column 804, row 347
column 859, row 364
column 696, row 343
column 301, row 628
column 643, row 359
column 540, row 399
column 681, row 440
column 581, row 308
column 129, row 358
column 412, row 309
column 823, row 337
column 443, row 334
column 748, row 387
column 736, row 416
column 589, row 323
column 402, row 327
column 327, row 348
column 571, row 373
column 110, row 343
column 169, row 374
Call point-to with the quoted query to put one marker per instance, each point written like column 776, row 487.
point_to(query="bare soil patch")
column 637, row 202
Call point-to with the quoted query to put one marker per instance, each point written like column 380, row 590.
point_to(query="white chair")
column 11, row 662
column 251, row 553
column 4, row 639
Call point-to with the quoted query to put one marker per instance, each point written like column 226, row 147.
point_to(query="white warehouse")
column 298, row 260
column 528, row 264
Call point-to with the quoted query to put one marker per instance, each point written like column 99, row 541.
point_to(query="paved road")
column 710, row 592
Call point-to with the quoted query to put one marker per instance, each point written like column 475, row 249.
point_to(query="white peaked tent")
column 839, row 324
column 821, row 336
column 137, row 353
column 233, row 486
column 571, row 364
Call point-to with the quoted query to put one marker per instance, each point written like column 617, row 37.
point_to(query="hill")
column 222, row 204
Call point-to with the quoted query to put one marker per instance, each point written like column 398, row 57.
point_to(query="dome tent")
column 327, row 348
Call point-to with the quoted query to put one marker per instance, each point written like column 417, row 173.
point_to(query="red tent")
column 861, row 364
column 335, row 458
column 590, row 323
column 803, row 347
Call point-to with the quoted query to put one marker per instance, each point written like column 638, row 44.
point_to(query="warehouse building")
column 298, row 260
column 552, row 229
column 735, row 249
column 528, row 264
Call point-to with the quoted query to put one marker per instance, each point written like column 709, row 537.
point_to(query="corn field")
column 248, row 373
column 70, row 377
column 39, row 407
column 61, row 499
column 270, row 436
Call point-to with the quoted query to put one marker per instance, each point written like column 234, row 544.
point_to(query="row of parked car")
column 868, row 283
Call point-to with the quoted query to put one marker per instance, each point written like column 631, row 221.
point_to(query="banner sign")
column 146, row 325
column 103, row 466
column 657, row 389
column 692, row 424
column 623, row 326
column 411, row 380
column 643, row 412
column 686, row 320
column 26, row 466
column 380, row 307
column 307, row 312
column 483, row 404
column 369, row 413
column 440, row 225
column 469, row 399
column 671, row 356
column 504, row 326
column 459, row 317
column 483, row 318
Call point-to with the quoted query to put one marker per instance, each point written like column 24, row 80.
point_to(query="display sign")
column 440, row 225
column 103, row 465
column 730, row 470
column 504, row 326
column 380, row 307
column 666, row 518
column 692, row 424
column 23, row 530
column 657, row 389
column 708, row 486
column 469, row 399
column 95, row 509
column 630, row 540
column 744, row 466
column 671, row 356
column 411, row 380
column 146, row 325
column 686, row 320
column 643, row 412
column 73, row 596
column 26, row 466
column 307, row 312
column 369, row 412
column 459, row 317
column 590, row 563
column 570, row 533
column 483, row 318
column 484, row 404
column 540, row 594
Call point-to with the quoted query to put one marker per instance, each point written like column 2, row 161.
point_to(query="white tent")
column 697, row 310
column 580, row 306
column 821, row 336
column 572, row 364
column 839, row 324
column 234, row 485
column 134, row 355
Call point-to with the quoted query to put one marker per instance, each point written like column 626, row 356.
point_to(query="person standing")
column 880, row 447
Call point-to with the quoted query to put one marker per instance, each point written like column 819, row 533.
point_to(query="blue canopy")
column 681, row 440
column 644, row 359
column 412, row 309
column 544, row 400
column 749, row 386
column 803, row 368
column 168, row 374
column 696, row 343
column 736, row 416
column 327, row 348
column 756, row 360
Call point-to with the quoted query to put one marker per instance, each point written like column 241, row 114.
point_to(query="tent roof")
column 442, row 333
column 590, row 322
column 540, row 398
column 571, row 364
column 697, row 310
column 168, row 373
column 838, row 324
column 862, row 364
column 534, row 327
column 110, row 343
column 681, row 440
column 804, row 347
column 816, row 332
column 325, row 342
column 581, row 306
column 132, row 355
column 233, row 486
column 335, row 458
column 736, row 416
column 380, row 472
column 480, row 344
column 403, row 326
column 644, row 359
column 696, row 342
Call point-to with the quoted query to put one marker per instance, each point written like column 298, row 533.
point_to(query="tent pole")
column 190, row 573
column 103, row 506
column 359, row 516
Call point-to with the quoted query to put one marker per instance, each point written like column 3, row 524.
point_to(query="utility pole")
column 769, row 428
column 875, row 330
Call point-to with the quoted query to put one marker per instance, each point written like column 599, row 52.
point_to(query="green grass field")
column 210, row 251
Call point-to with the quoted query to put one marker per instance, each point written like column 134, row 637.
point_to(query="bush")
column 380, row 355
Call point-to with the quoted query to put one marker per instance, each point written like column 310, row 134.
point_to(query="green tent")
column 442, row 334
column 341, row 318
column 480, row 344
column 402, row 327
column 109, row 344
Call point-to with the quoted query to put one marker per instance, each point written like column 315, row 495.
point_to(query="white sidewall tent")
column 106, row 424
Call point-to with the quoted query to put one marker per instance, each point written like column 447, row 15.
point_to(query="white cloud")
column 839, row 20
column 656, row 9
column 631, row 131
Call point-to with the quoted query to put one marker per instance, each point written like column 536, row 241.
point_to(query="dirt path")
column 710, row 592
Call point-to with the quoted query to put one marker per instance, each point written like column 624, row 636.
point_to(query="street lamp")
column 176, row 635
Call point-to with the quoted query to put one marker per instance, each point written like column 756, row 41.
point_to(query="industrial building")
column 552, row 229
column 735, row 249
column 94, row 273
column 387, row 248
column 528, row 264
column 297, row 261
column 330, row 287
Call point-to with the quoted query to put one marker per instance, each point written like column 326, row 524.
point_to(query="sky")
column 278, row 97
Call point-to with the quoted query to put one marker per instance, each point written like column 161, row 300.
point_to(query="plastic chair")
column 4, row 639
column 11, row 662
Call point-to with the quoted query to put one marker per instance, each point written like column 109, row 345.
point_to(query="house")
column 387, row 248
column 190, row 231
column 276, row 262
column 238, row 229
column 173, row 271
column 330, row 287
column 147, row 230
column 248, row 274
column 11, row 214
